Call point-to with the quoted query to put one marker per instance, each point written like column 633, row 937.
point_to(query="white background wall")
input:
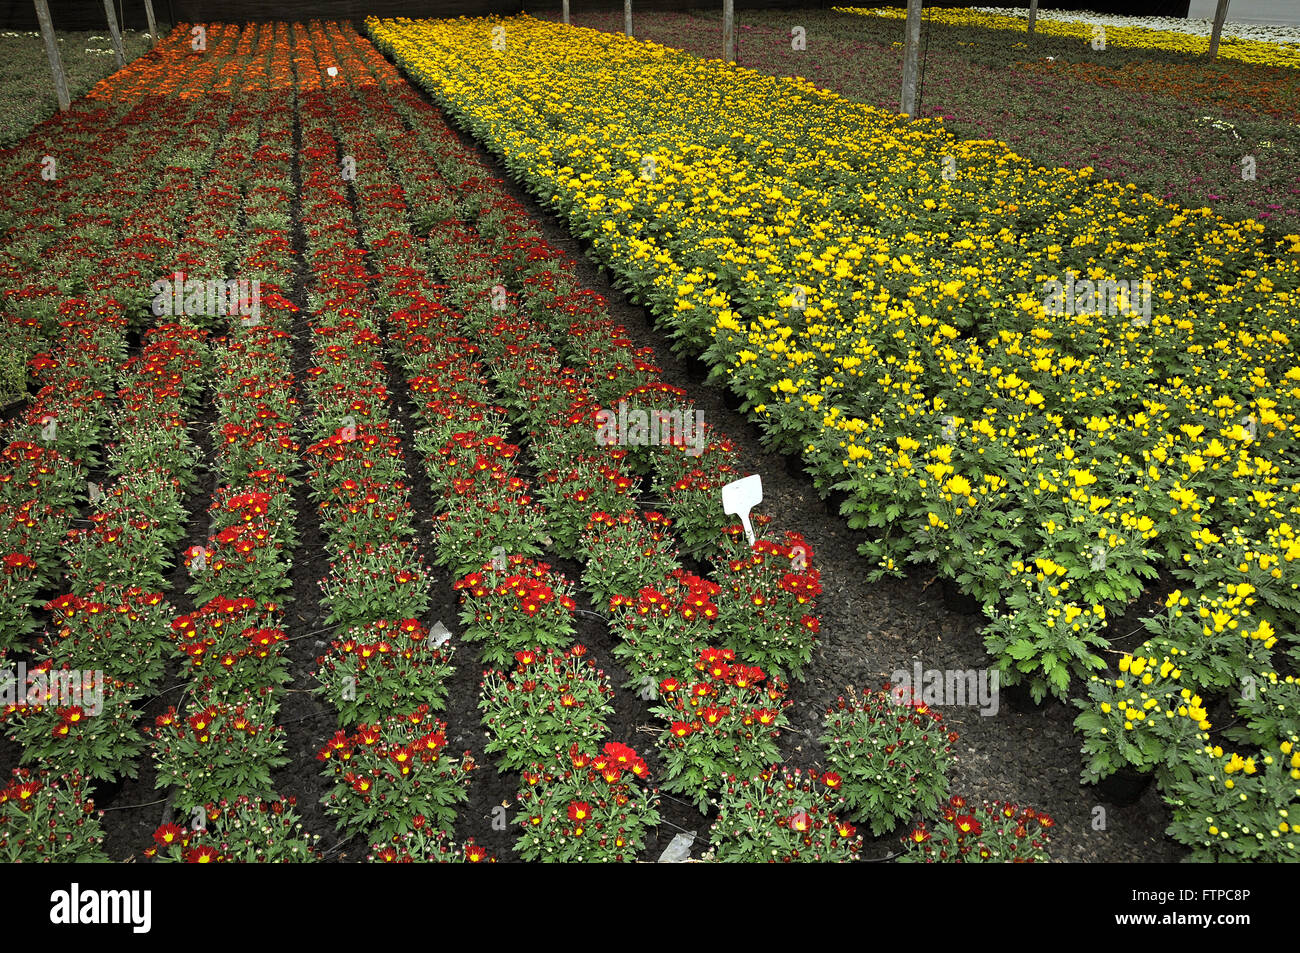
column 1250, row 11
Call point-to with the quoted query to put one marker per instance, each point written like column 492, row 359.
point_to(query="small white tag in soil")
column 678, row 850
column 741, row 496
column 438, row 635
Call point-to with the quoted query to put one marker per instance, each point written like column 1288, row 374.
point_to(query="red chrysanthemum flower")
column 167, row 835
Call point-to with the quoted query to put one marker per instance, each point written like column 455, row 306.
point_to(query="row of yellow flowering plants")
column 1193, row 131
column 1128, row 36
column 1049, row 453
column 973, row 485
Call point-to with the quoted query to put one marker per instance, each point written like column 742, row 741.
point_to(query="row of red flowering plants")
column 539, row 698
column 540, row 701
column 568, row 413
column 73, row 706
column 734, row 725
column 90, row 206
column 544, row 703
column 106, row 643
column 44, row 465
column 992, row 832
column 218, row 748
column 65, row 308
column 580, row 478
column 549, row 402
column 386, row 672
column 512, row 599
column 890, row 755
column 221, row 740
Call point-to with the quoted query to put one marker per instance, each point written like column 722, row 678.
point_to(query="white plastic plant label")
column 678, row 850
column 741, row 496
column 438, row 635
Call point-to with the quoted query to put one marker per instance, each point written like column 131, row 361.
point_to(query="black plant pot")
column 1124, row 787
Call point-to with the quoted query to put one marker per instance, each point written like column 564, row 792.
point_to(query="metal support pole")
column 52, row 51
column 116, row 34
column 729, row 30
column 1220, row 15
column 911, row 58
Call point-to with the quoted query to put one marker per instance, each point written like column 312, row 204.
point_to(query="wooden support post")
column 153, row 24
column 564, row 10
column 52, row 51
column 1033, row 16
column 729, row 30
column 1220, row 15
column 627, row 17
column 911, row 58
column 118, row 53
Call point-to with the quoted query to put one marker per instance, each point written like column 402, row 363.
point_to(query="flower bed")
column 420, row 282
column 1175, row 126
column 1267, row 48
column 110, row 407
